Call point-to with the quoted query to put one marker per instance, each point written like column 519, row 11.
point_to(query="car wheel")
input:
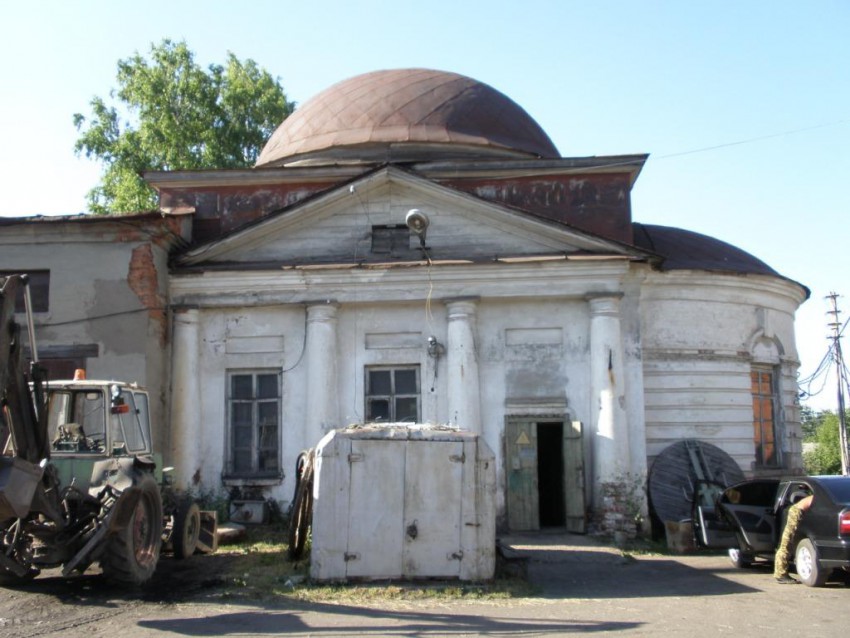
column 806, row 563
column 740, row 559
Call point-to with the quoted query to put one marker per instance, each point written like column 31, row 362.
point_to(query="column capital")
column 185, row 310
column 186, row 316
column 604, row 303
column 460, row 307
column 322, row 311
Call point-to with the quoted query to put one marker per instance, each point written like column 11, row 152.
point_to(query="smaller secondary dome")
column 406, row 114
column 687, row 250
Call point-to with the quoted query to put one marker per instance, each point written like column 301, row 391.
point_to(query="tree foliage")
column 168, row 113
column 825, row 457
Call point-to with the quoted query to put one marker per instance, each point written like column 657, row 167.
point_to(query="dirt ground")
column 584, row 587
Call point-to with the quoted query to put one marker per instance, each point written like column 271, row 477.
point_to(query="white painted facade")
column 528, row 326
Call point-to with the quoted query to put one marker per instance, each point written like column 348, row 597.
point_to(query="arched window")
column 764, row 385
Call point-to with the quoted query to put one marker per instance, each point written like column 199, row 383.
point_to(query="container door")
column 521, row 471
column 375, row 529
column 432, row 508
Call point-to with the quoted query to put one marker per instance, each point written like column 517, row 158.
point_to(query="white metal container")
column 401, row 501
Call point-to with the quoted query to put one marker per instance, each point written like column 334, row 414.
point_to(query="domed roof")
column 406, row 115
column 687, row 250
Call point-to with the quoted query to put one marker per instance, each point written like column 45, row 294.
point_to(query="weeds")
column 259, row 569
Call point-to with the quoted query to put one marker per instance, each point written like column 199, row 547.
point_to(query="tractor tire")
column 132, row 551
column 187, row 529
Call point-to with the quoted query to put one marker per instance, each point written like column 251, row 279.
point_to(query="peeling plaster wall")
column 698, row 380
column 686, row 342
column 530, row 351
column 240, row 339
column 106, row 290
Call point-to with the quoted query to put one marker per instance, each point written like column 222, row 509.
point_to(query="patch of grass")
column 260, row 569
column 646, row 547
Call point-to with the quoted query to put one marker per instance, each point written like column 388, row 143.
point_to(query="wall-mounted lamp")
column 417, row 222
column 435, row 351
column 435, row 348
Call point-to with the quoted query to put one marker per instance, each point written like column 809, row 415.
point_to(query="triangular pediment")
column 344, row 226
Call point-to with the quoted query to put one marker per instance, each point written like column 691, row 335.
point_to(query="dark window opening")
column 253, row 410
column 392, row 394
column 390, row 239
column 39, row 289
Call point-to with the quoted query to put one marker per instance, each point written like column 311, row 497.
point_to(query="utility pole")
column 837, row 357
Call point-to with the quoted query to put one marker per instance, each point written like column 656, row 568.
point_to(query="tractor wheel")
column 132, row 551
column 187, row 528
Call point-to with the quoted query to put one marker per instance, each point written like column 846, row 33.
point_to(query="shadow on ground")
column 346, row 620
column 573, row 566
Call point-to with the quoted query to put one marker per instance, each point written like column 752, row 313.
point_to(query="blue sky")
column 760, row 90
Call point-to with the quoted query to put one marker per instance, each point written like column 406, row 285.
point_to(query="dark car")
column 748, row 519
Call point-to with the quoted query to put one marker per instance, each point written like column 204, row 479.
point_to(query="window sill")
column 251, row 481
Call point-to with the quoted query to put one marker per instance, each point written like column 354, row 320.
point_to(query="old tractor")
column 79, row 483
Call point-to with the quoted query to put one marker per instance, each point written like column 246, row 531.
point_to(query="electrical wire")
column 751, row 140
column 303, row 347
column 121, row 313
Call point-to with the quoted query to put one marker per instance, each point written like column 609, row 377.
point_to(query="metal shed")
column 403, row 501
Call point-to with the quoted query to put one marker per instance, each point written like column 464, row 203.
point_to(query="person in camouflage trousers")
column 780, row 564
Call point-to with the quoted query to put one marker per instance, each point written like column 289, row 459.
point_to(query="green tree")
column 168, row 113
column 810, row 421
column 825, row 458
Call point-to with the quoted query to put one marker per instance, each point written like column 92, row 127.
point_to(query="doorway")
column 544, row 474
column 550, row 475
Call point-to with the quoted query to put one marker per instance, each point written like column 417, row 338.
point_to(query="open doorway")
column 550, row 475
column 544, row 474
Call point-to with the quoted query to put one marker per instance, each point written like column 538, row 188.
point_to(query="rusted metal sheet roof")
column 406, row 107
column 687, row 250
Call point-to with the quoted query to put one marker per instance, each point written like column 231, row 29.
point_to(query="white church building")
column 411, row 247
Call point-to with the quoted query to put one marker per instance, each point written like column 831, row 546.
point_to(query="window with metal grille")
column 764, row 391
column 390, row 239
column 253, row 407
column 392, row 394
column 39, row 289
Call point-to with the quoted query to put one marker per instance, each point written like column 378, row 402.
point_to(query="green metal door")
column 522, row 492
column 574, row 477
column 523, row 489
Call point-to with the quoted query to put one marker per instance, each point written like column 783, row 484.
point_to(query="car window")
column 760, row 493
column 838, row 488
column 794, row 493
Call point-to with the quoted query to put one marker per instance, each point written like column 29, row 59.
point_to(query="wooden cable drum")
column 675, row 472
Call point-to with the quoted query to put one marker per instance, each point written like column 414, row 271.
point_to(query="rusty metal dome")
column 406, row 115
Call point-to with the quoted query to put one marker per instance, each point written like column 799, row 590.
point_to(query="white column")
column 322, row 409
column 185, row 429
column 464, row 392
column 609, row 423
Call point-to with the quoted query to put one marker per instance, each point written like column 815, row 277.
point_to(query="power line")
column 751, row 140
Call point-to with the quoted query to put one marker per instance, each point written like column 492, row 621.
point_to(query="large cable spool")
column 675, row 473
